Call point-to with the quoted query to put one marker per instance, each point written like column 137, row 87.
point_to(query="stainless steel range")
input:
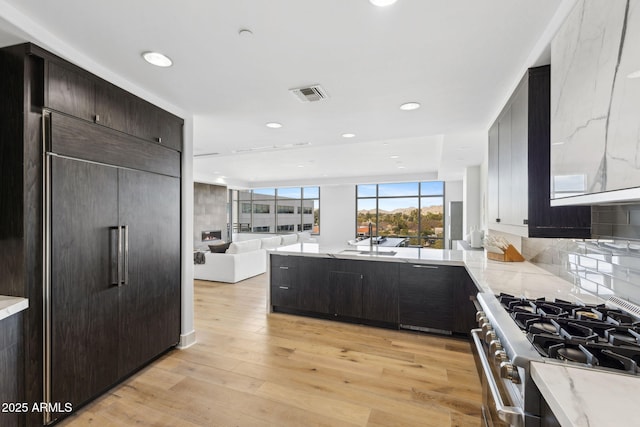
column 515, row 331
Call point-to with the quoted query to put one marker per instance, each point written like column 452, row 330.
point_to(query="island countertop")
column 516, row 278
column 12, row 305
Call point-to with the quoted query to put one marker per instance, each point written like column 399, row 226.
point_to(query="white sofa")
column 243, row 259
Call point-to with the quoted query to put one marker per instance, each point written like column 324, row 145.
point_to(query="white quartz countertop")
column 516, row 278
column 12, row 305
column 588, row 397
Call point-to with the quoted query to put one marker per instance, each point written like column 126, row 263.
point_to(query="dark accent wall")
column 209, row 212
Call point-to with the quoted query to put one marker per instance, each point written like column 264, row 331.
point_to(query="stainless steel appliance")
column 514, row 331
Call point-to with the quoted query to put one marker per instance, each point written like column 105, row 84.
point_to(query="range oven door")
column 501, row 405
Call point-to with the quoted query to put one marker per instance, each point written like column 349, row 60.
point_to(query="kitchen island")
column 516, row 278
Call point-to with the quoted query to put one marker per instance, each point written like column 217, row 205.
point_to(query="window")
column 411, row 212
column 284, row 209
column 261, row 209
column 280, row 209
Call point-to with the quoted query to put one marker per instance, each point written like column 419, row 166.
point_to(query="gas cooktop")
column 589, row 335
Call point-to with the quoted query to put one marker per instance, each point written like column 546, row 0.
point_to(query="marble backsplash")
column 604, row 267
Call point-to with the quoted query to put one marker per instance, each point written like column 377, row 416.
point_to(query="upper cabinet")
column 595, row 100
column 518, row 176
column 80, row 94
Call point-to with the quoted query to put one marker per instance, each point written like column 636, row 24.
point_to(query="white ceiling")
column 459, row 58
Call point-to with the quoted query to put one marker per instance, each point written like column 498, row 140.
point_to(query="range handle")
column 512, row 415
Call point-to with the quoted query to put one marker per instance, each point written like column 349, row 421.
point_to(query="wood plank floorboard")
column 252, row 368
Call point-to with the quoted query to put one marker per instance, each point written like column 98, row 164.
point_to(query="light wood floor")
column 250, row 368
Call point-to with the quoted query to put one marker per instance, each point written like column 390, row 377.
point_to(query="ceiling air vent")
column 310, row 93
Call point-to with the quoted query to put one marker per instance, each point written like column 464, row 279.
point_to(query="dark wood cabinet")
column 345, row 293
column 380, row 291
column 465, row 308
column 11, row 363
column 519, row 168
column 426, row 298
column 70, row 91
column 313, row 276
column 149, row 312
column 92, row 326
column 284, row 281
column 73, row 91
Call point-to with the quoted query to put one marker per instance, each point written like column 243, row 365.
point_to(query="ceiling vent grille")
column 312, row 93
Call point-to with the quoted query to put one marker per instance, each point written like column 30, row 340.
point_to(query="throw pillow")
column 219, row 249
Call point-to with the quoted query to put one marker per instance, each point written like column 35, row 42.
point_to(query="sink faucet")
column 370, row 236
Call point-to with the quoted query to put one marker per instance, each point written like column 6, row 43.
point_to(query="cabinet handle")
column 525, row 222
column 125, row 280
column 118, row 280
column 286, row 288
column 497, row 219
column 97, row 118
column 433, row 267
column 159, row 139
column 284, row 268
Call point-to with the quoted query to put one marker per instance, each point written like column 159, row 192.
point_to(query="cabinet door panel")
column 170, row 130
column 519, row 155
column 313, row 284
column 150, row 300
column 70, row 91
column 493, row 178
column 426, row 296
column 111, row 106
column 346, row 295
column 284, row 281
column 84, row 303
column 380, row 292
column 504, row 168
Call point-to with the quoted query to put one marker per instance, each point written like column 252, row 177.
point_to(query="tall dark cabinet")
column 90, row 179
column 519, row 200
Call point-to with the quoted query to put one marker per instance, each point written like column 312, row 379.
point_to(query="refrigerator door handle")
column 117, row 254
column 125, row 280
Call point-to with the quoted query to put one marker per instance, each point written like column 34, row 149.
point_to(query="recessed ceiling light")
column 394, row 157
column 273, row 125
column 348, row 135
column 408, row 106
column 382, row 3
column 157, row 59
column 300, row 166
column 634, row 75
column 400, row 167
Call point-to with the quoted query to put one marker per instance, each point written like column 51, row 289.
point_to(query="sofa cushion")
column 220, row 248
column 246, row 246
column 304, row 236
column 289, row 239
column 270, row 242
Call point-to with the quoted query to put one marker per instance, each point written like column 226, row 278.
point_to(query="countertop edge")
column 12, row 305
column 577, row 395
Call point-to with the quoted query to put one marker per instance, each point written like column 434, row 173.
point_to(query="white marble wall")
column 595, row 105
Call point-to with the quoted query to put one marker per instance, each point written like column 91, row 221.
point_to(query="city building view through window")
column 276, row 210
column 402, row 214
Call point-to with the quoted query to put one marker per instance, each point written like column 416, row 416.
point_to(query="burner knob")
column 480, row 315
column 510, row 372
column 500, row 356
column 495, row 346
column 490, row 336
column 486, row 327
column 482, row 320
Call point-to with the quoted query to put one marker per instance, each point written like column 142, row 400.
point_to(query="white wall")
column 452, row 193
column 337, row 214
column 473, row 193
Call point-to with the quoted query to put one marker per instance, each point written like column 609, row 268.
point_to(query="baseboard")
column 187, row 340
